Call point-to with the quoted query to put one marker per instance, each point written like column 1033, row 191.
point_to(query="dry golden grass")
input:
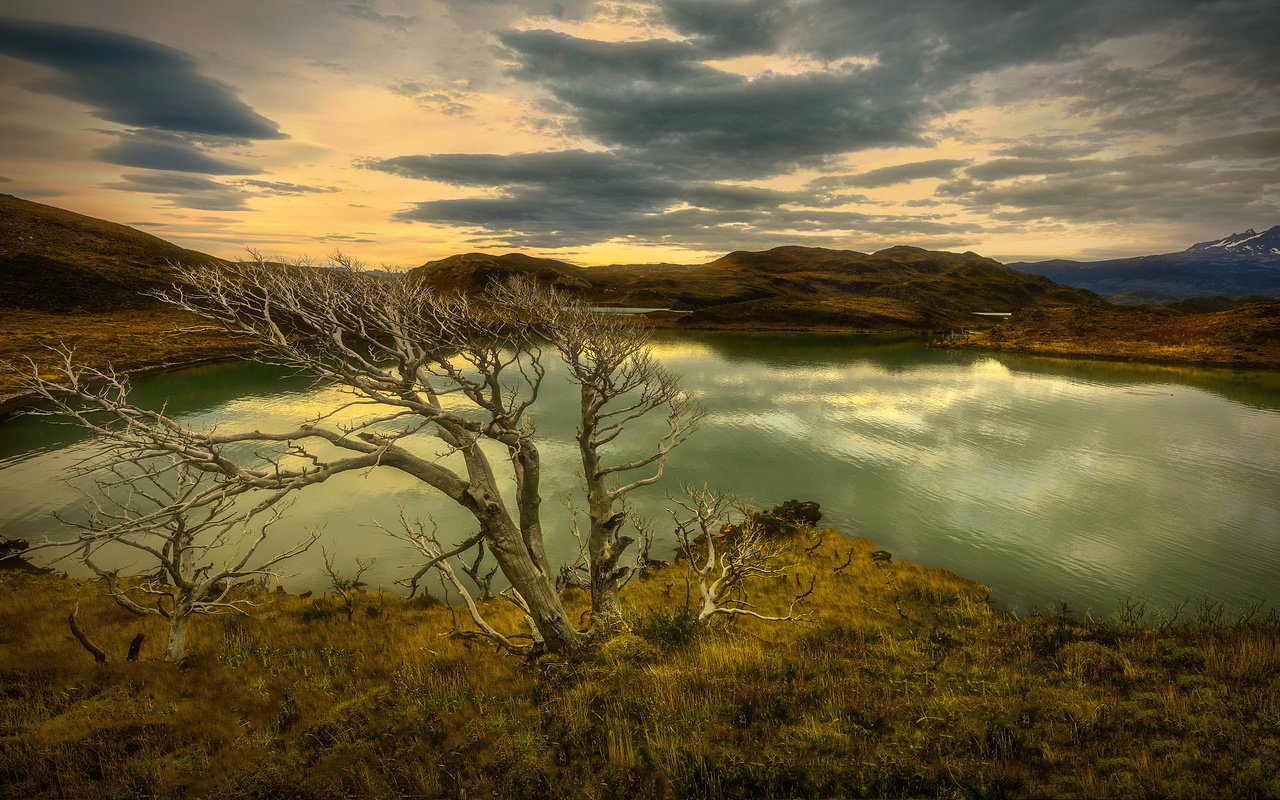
column 1248, row 336
column 129, row 340
column 904, row 682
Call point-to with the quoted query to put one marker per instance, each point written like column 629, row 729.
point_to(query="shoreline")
column 1086, row 355
column 140, row 344
column 13, row 402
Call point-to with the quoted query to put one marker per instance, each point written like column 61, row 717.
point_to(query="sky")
column 640, row 131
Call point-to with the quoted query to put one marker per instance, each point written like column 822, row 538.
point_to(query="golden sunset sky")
column 645, row 131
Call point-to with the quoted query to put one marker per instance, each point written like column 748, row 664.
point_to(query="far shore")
column 151, row 340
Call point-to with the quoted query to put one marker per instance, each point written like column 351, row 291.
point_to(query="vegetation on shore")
column 903, row 682
column 1248, row 336
column 128, row 340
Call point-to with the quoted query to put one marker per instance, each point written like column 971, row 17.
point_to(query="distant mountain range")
column 1242, row 265
column 1266, row 243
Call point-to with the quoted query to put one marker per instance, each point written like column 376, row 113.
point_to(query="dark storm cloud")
column 577, row 168
column 131, row 81
column 898, row 173
column 555, row 200
column 184, row 191
column 959, row 39
column 167, row 151
column 1048, row 148
column 656, row 98
column 729, row 27
column 1237, row 36
column 550, row 198
column 590, row 177
column 875, row 74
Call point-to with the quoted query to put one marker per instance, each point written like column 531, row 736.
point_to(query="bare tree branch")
column 197, row 542
column 609, row 356
column 455, row 367
column 725, row 558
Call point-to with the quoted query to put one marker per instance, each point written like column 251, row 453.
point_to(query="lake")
column 1047, row 479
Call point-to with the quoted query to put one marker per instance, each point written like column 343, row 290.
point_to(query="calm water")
column 1048, row 480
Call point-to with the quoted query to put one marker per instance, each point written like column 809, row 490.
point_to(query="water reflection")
column 1046, row 479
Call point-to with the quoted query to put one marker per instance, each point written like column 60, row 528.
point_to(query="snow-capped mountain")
column 1237, row 266
column 1250, row 242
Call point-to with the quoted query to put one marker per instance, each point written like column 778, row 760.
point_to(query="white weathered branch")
column 724, row 558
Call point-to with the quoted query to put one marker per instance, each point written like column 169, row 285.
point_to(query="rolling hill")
column 71, row 278
column 56, row 260
column 900, row 288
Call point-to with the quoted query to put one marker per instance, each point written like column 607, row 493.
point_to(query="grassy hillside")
column 1248, row 335
column 55, row 260
column 901, row 288
column 904, row 683
column 474, row 272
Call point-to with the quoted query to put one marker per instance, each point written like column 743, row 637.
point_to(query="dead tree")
column 196, row 543
column 424, row 537
column 724, row 559
column 411, row 362
column 346, row 587
column 610, row 357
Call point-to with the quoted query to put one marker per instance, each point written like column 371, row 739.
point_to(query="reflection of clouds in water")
column 675, row 353
column 780, row 423
column 1046, row 486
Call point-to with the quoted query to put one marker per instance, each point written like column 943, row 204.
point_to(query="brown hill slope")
column 473, row 272
column 901, row 288
column 56, row 260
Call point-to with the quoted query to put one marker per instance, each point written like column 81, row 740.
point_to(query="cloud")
column 729, row 27
column 1256, row 145
column 1003, row 168
column 367, row 12
column 656, row 98
column 447, row 98
column 167, row 151
column 1140, row 189
column 280, row 188
column 567, row 198
column 678, row 132
column 131, row 81
column 950, row 39
column 184, row 191
column 344, row 237
column 899, row 173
